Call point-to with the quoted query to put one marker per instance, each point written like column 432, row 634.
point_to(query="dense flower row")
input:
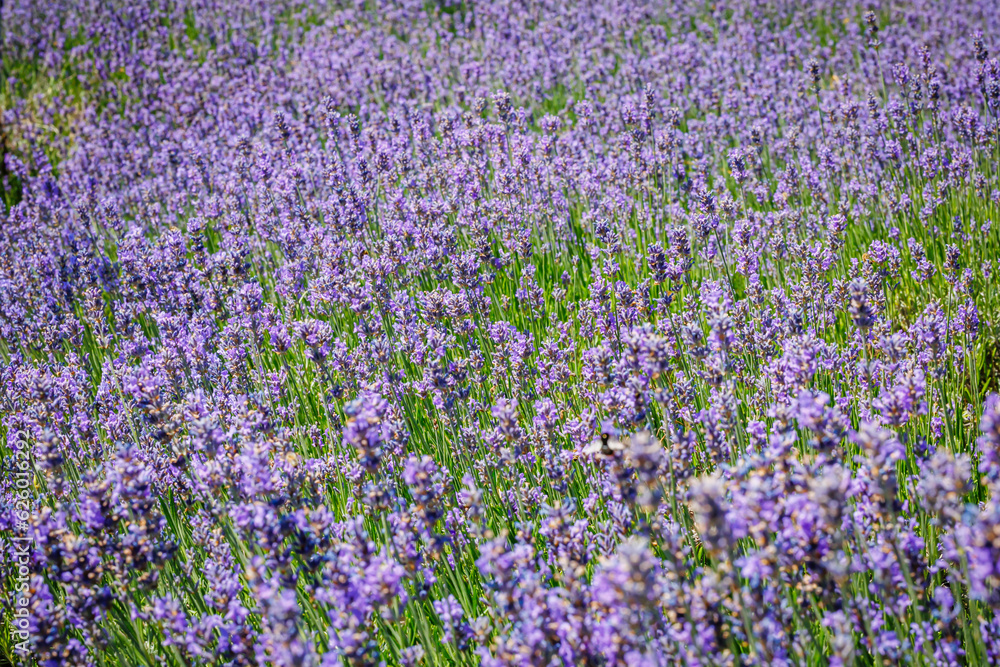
column 503, row 334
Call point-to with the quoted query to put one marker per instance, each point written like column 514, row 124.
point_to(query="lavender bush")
column 508, row 333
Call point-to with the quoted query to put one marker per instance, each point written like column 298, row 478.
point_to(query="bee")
column 608, row 442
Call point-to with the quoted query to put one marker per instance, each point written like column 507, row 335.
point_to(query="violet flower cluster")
column 408, row 333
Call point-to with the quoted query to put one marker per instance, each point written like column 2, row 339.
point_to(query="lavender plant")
column 405, row 333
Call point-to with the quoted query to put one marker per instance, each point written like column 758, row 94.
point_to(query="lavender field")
column 499, row 333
